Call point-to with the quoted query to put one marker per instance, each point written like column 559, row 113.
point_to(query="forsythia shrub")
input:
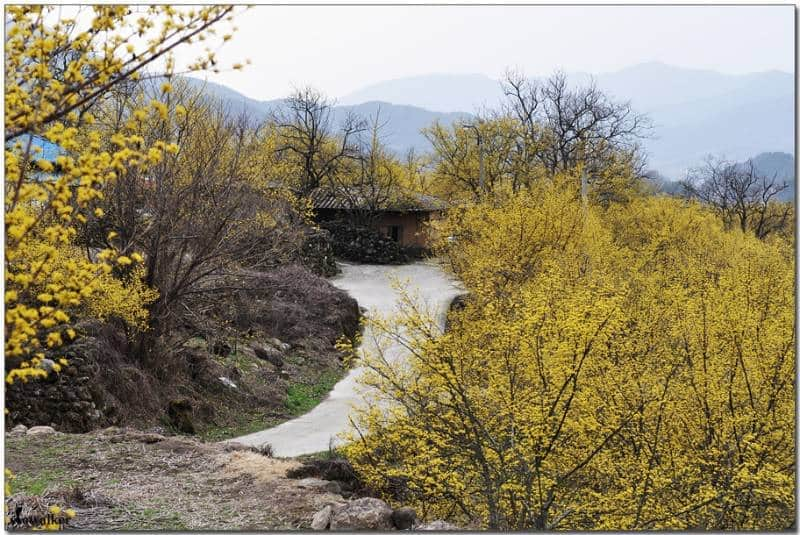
column 622, row 368
column 57, row 69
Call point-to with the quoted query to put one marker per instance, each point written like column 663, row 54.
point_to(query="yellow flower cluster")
column 629, row 367
column 56, row 71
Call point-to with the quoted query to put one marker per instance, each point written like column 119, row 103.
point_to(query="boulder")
column 40, row 430
column 437, row 525
column 404, row 518
column 270, row 354
column 18, row 430
column 322, row 518
column 363, row 513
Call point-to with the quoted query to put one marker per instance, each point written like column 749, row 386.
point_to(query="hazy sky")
column 343, row 48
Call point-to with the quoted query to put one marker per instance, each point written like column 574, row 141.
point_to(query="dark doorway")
column 395, row 232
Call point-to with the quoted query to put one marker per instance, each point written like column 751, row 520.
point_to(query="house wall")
column 413, row 232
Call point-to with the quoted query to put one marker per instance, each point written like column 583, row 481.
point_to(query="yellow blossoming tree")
column 57, row 70
column 621, row 368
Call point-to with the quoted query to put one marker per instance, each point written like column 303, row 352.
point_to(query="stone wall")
column 317, row 253
column 67, row 401
column 363, row 244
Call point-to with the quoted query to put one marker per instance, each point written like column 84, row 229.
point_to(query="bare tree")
column 371, row 181
column 197, row 214
column 308, row 130
column 563, row 125
column 741, row 195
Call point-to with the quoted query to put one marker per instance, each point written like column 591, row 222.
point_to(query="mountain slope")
column 441, row 92
column 401, row 132
column 772, row 164
column 403, row 123
column 780, row 165
column 695, row 112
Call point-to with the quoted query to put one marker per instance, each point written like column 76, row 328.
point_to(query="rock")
column 364, row 244
column 322, row 518
column 437, row 525
column 180, row 415
column 270, row 354
column 264, row 449
column 47, row 365
column 18, row 430
column 326, row 486
column 280, row 346
column 404, row 518
column 333, row 487
column 227, row 382
column 363, row 513
column 72, row 417
column 317, row 254
column 40, row 430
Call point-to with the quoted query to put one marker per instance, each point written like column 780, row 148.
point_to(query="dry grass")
column 124, row 479
column 262, row 468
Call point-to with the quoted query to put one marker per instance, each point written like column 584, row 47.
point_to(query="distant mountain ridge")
column 441, row 92
column 778, row 165
column 403, row 122
column 695, row 112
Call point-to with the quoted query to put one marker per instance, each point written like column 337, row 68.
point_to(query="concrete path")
column 370, row 285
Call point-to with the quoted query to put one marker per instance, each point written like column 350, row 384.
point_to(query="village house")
column 402, row 217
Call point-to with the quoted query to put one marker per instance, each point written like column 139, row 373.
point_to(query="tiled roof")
column 324, row 198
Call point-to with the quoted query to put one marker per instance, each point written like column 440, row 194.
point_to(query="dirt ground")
column 122, row 479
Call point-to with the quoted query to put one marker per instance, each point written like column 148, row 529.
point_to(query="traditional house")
column 401, row 216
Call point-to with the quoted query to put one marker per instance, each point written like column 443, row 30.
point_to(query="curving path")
column 371, row 286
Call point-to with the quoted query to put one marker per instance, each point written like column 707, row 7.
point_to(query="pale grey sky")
column 342, row 48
